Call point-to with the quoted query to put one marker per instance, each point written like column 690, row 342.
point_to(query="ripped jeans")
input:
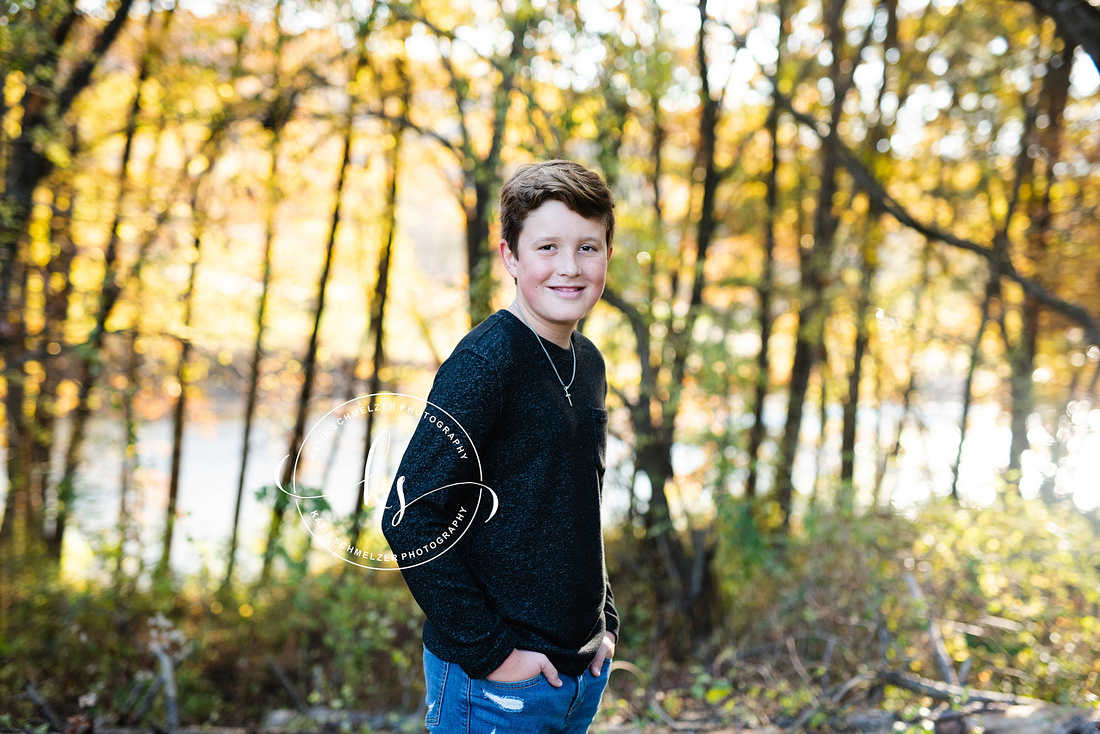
column 458, row 704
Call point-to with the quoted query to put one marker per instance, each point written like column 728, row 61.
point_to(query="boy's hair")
column 579, row 188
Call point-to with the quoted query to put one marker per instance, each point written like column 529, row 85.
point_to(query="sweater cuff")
column 611, row 624
column 489, row 661
column 611, row 616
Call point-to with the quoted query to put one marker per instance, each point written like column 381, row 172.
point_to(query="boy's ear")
column 508, row 257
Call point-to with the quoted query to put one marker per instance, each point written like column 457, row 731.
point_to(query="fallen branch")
column 657, row 710
column 284, row 680
column 168, row 675
column 796, row 661
column 947, row 692
column 939, row 649
column 922, row 686
column 831, row 699
column 44, row 708
column 146, row 701
column 322, row 718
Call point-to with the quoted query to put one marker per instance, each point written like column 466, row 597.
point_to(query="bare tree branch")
column 1001, row 262
column 640, row 328
column 404, row 121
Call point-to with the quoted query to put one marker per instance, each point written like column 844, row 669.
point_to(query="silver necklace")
column 551, row 361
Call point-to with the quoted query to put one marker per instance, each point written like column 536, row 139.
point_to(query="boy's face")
column 560, row 265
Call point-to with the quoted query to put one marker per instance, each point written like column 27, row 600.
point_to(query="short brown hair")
column 579, row 188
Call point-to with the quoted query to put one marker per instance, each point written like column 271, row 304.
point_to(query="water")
column 212, row 450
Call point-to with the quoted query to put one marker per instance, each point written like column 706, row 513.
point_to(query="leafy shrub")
column 343, row 638
column 1014, row 587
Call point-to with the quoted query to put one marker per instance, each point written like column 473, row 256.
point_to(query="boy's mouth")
column 567, row 289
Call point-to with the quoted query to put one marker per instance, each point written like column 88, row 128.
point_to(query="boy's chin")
column 570, row 315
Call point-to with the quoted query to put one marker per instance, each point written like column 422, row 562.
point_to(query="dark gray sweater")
column 533, row 576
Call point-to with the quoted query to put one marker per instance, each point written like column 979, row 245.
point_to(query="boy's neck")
column 559, row 334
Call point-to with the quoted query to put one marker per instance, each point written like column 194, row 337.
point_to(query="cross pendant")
column 568, row 397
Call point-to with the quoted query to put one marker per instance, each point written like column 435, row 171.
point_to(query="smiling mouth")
column 567, row 288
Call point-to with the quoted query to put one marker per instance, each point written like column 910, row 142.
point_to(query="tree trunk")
column 891, row 456
column 823, row 420
column 1078, row 22
column 1021, row 354
column 129, row 463
column 1053, row 98
column 1021, row 358
column 680, row 338
column 257, row 352
column 690, row 575
column 479, row 262
column 376, row 328
column 869, row 253
column 179, row 412
column 482, row 175
column 28, row 164
column 21, row 534
column 811, row 318
column 276, row 123
column 30, row 451
column 59, row 268
column 309, row 365
column 685, row 587
column 91, row 364
column 758, row 431
column 151, row 56
column 967, row 396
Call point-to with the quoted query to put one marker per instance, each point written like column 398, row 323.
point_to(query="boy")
column 521, row 623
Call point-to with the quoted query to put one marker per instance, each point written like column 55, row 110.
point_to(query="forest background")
column 851, row 331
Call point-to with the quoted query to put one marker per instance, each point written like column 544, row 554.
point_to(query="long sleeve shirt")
column 533, row 576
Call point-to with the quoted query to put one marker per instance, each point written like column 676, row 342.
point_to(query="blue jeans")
column 458, row 704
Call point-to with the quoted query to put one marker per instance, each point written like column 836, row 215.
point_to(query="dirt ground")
column 1032, row 719
column 1010, row 720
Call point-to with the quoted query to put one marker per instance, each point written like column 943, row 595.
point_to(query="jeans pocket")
column 604, row 669
column 435, row 681
column 512, row 684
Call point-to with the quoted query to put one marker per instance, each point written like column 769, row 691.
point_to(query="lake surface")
column 211, row 466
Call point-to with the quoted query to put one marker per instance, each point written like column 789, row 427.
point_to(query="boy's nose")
column 567, row 264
